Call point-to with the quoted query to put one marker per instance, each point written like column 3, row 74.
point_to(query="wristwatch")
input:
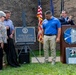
column 69, row 35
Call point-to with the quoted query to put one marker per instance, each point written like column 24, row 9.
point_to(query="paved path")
column 41, row 59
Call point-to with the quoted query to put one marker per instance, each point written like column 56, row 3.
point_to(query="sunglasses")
column 4, row 16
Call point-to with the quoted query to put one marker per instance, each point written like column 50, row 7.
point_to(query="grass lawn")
column 40, row 69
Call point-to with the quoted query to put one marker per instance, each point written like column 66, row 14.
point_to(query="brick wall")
column 30, row 8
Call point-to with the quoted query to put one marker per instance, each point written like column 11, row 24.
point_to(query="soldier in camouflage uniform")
column 3, row 36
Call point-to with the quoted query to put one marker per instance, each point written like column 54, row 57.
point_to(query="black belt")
column 49, row 34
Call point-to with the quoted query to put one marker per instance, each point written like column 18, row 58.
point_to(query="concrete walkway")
column 41, row 59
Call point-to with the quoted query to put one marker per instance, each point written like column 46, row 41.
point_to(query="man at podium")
column 64, row 19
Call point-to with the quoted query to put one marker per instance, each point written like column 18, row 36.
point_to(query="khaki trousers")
column 49, row 42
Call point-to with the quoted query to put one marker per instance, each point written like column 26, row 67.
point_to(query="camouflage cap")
column 2, row 14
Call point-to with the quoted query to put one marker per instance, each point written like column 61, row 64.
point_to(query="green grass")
column 41, row 69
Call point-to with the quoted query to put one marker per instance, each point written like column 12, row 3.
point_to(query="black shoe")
column 18, row 65
column 0, row 69
column 14, row 66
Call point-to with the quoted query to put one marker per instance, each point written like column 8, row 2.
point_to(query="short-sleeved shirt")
column 3, row 33
column 10, row 24
column 51, row 26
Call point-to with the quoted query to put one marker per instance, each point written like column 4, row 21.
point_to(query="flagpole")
column 39, row 3
column 40, row 44
column 39, row 49
column 62, row 5
column 52, row 7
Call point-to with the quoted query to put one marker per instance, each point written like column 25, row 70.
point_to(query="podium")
column 67, row 32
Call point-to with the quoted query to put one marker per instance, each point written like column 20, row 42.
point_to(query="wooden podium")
column 64, row 44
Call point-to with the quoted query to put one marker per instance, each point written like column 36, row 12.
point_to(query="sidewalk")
column 41, row 59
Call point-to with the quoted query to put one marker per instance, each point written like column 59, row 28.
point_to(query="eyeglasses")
column 4, row 16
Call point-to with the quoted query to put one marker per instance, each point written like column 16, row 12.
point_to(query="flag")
column 40, row 19
column 52, row 7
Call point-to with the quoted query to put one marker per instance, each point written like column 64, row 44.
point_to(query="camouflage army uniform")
column 3, row 33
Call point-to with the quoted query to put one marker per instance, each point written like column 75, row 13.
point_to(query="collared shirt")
column 66, row 18
column 51, row 26
column 10, row 24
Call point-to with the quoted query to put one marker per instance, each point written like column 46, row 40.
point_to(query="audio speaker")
column 24, row 58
